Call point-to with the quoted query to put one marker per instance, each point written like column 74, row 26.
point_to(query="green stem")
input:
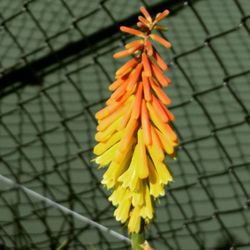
column 137, row 239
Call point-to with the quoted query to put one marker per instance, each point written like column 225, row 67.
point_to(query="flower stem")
column 137, row 240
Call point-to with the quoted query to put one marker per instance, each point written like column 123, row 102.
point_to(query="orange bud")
column 134, row 77
column 146, row 14
column 171, row 133
column 142, row 26
column 121, row 54
column 149, row 47
column 161, row 40
column 107, row 110
column 169, row 114
column 108, row 120
column 127, row 52
column 161, row 15
column 132, row 31
column 145, row 124
column 159, row 92
column 146, row 64
column 160, row 61
column 134, row 44
column 127, row 94
column 137, row 105
column 157, row 106
column 146, row 88
column 128, row 134
column 144, row 21
column 161, row 78
column 115, row 84
column 119, row 91
column 127, row 67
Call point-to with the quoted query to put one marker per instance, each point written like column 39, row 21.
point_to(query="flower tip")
column 162, row 15
column 142, row 8
column 131, row 31
column 165, row 12
column 122, row 28
column 145, row 13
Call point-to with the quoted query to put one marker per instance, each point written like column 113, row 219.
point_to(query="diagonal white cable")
column 65, row 210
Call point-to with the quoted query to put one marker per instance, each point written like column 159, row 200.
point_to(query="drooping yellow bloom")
column 134, row 131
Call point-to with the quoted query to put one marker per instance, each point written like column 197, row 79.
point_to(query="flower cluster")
column 134, row 130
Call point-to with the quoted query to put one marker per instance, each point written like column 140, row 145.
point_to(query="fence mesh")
column 56, row 64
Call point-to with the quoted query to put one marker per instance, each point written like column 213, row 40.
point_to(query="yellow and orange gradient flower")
column 134, row 131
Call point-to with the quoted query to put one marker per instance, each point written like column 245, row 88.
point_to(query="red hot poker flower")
column 134, row 131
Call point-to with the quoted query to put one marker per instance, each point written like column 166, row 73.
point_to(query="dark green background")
column 47, row 126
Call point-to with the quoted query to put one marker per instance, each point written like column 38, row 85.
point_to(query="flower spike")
column 134, row 131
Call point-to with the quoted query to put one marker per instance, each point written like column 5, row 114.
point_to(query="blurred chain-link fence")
column 56, row 63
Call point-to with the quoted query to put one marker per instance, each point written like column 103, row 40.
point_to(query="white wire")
column 65, row 210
